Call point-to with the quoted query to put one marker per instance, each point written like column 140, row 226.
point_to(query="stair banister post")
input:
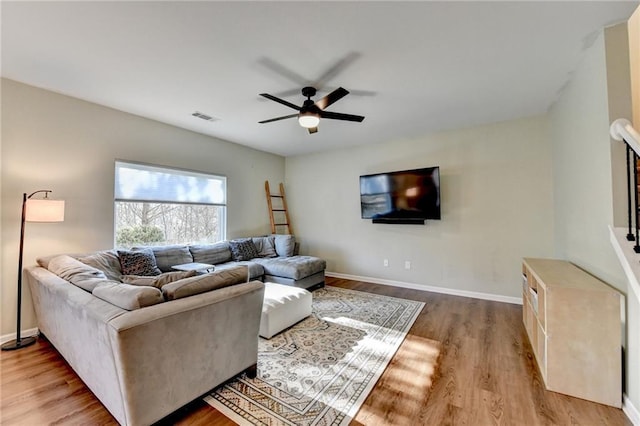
column 630, row 236
column 636, row 248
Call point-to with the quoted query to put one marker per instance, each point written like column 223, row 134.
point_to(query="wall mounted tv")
column 403, row 197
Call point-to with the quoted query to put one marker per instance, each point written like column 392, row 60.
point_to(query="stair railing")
column 622, row 130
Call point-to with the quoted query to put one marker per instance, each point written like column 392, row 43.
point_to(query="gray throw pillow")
column 285, row 245
column 141, row 262
column 265, row 246
column 243, row 249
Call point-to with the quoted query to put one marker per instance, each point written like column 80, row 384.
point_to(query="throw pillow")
column 159, row 280
column 285, row 244
column 243, row 249
column 265, row 246
column 141, row 262
column 206, row 282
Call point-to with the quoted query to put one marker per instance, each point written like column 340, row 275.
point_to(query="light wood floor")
column 485, row 375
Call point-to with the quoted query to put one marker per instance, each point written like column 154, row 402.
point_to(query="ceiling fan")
column 310, row 113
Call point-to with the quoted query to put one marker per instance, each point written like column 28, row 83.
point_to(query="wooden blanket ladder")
column 277, row 205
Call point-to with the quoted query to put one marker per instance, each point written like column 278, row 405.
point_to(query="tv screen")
column 407, row 194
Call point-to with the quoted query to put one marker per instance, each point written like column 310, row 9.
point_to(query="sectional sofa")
column 274, row 259
column 148, row 343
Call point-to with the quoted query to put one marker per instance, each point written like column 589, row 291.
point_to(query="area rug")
column 320, row 371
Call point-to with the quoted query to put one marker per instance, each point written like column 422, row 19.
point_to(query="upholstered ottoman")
column 283, row 306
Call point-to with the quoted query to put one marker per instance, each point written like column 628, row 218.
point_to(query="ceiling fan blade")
column 335, row 69
column 340, row 116
column 278, row 118
column 313, row 130
column 284, row 71
column 280, row 101
column 286, row 93
column 332, row 97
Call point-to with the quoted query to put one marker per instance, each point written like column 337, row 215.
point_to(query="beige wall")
column 496, row 208
column 50, row 141
column 619, row 104
column 583, row 159
column 634, row 56
column 582, row 169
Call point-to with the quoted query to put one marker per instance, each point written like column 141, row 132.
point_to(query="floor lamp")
column 33, row 210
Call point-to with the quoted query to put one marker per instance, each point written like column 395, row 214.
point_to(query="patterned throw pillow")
column 141, row 262
column 243, row 249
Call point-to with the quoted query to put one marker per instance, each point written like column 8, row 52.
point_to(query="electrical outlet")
column 407, row 264
column 385, row 262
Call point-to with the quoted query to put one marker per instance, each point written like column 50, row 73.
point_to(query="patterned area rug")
column 320, row 371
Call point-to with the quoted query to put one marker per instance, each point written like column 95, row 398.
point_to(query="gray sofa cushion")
column 255, row 269
column 211, row 253
column 285, row 244
column 84, row 276
column 205, row 282
column 140, row 262
column 107, row 261
column 128, row 296
column 295, row 267
column 265, row 245
column 168, row 256
column 159, row 280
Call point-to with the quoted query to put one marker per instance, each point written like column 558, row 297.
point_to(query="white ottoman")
column 283, row 306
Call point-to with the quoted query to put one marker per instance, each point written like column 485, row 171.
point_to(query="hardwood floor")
column 485, row 375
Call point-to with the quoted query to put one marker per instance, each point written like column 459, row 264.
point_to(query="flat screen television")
column 407, row 196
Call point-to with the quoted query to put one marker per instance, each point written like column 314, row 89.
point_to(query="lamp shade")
column 45, row 210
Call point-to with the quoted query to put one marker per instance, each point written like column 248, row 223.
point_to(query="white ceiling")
column 413, row 67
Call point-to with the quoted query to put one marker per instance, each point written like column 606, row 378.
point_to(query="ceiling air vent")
column 203, row 116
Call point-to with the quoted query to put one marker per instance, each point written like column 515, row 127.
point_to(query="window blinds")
column 146, row 183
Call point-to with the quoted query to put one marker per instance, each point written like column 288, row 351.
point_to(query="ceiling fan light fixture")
column 309, row 119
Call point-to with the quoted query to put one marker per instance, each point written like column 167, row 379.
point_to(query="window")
column 158, row 205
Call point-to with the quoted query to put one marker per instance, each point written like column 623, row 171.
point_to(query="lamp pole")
column 20, row 342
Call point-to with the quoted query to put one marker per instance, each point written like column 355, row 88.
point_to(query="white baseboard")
column 632, row 412
column 24, row 333
column 413, row 286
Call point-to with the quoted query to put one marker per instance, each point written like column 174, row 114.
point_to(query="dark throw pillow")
column 243, row 249
column 141, row 262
